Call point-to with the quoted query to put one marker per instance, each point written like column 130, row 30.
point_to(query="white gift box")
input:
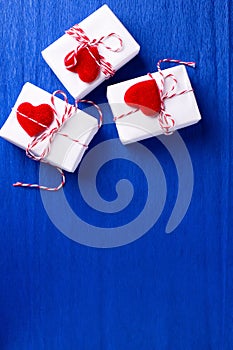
column 64, row 153
column 100, row 23
column 138, row 126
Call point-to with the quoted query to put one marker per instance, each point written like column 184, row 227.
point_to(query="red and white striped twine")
column 84, row 42
column 94, row 105
column 62, row 183
column 49, row 135
column 165, row 119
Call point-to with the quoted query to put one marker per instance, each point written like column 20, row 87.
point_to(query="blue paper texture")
column 163, row 291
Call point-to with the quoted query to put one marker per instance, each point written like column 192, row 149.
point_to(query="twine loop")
column 166, row 121
column 84, row 42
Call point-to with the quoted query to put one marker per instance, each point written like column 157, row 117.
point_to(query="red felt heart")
column 86, row 67
column 42, row 114
column 144, row 95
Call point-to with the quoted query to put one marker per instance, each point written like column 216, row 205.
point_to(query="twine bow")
column 84, row 42
column 166, row 120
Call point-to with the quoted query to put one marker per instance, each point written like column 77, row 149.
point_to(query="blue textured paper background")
column 165, row 292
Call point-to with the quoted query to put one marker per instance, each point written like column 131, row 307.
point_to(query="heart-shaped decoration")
column 29, row 116
column 84, row 63
column 145, row 96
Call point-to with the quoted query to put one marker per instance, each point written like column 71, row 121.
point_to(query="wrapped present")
column 153, row 104
column 49, row 128
column 90, row 52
